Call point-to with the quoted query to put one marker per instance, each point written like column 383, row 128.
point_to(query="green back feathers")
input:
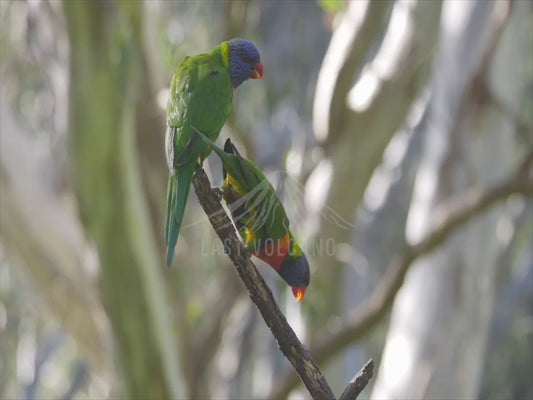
column 200, row 95
column 254, row 199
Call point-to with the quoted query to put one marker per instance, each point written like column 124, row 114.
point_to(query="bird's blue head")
column 295, row 271
column 244, row 61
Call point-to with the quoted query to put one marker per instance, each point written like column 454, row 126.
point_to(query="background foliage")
column 372, row 118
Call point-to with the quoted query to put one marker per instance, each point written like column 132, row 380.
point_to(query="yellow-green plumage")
column 256, row 208
column 260, row 217
column 200, row 95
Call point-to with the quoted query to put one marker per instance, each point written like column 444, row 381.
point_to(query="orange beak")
column 298, row 292
column 258, row 71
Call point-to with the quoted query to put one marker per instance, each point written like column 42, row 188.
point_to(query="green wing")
column 201, row 96
column 267, row 214
column 253, row 200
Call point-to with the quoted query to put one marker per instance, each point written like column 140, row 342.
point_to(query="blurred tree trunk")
column 436, row 342
column 378, row 62
column 355, row 135
column 104, row 85
column 44, row 239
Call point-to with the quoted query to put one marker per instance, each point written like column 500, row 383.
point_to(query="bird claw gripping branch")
column 217, row 192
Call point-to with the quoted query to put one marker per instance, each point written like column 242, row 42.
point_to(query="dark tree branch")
column 358, row 382
column 259, row 292
column 452, row 216
column 262, row 297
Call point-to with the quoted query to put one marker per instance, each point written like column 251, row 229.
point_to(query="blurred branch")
column 452, row 216
column 204, row 344
column 105, row 172
column 148, row 118
column 480, row 86
column 44, row 239
column 259, row 292
column 357, row 33
column 388, row 84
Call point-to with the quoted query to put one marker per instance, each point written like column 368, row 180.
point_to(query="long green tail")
column 177, row 194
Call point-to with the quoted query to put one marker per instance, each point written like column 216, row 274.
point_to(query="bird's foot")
column 217, row 192
column 247, row 253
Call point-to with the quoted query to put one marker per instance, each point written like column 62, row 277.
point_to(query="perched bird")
column 201, row 95
column 260, row 217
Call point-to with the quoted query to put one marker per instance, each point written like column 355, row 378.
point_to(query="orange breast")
column 274, row 254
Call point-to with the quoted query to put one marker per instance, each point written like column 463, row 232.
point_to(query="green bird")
column 201, row 95
column 260, row 217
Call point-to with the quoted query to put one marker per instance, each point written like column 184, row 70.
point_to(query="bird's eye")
column 245, row 58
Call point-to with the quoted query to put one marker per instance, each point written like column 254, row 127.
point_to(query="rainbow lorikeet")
column 260, row 217
column 201, row 95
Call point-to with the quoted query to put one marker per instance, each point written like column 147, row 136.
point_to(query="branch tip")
column 358, row 382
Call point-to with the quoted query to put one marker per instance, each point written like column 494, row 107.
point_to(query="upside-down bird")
column 260, row 217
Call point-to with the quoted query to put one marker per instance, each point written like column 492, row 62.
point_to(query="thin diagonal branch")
column 358, row 382
column 451, row 217
column 259, row 292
